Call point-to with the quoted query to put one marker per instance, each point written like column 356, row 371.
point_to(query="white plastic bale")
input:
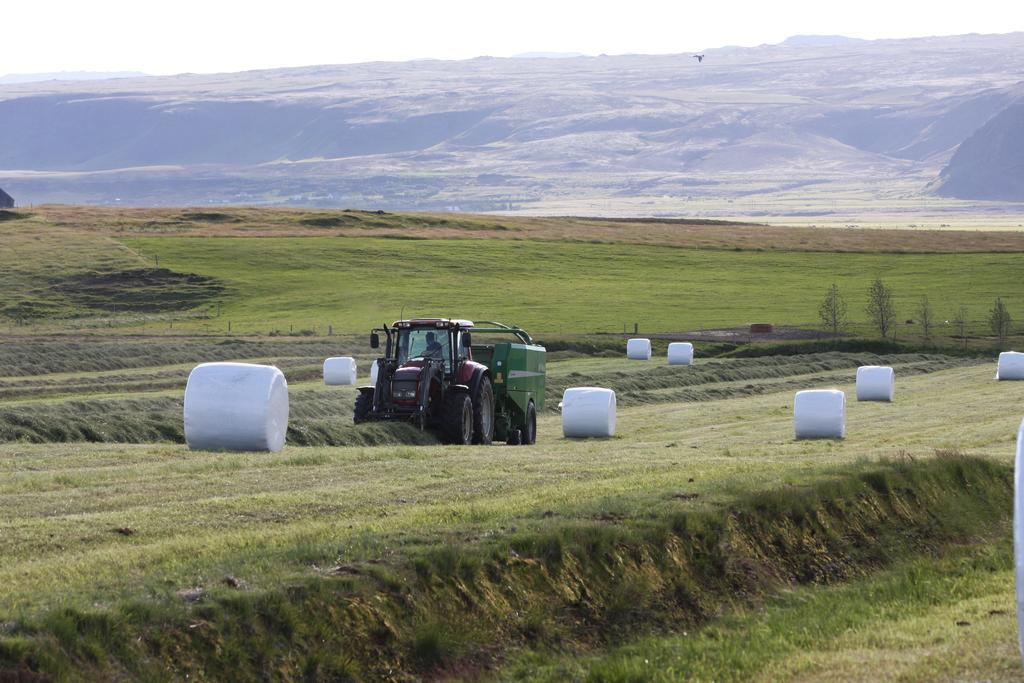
column 1018, row 534
column 680, row 353
column 588, row 412
column 876, row 383
column 1011, row 365
column 340, row 371
column 374, row 368
column 236, row 407
column 638, row 349
column 819, row 414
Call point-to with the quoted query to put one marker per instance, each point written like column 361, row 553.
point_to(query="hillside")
column 283, row 270
column 990, row 163
column 820, row 118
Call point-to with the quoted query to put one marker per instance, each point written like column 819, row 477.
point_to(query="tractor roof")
column 434, row 322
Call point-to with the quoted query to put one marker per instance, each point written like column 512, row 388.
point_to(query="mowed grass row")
column 148, row 408
column 64, row 357
column 195, row 518
column 354, row 283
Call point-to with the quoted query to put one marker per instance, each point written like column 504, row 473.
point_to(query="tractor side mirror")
column 467, row 340
column 374, row 341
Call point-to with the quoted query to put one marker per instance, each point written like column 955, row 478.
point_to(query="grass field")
column 211, row 522
column 350, row 270
column 351, row 283
column 702, row 542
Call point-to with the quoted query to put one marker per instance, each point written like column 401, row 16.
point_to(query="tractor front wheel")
column 364, row 404
column 457, row 419
column 483, row 413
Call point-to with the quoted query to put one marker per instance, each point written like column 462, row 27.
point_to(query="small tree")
column 832, row 311
column 960, row 323
column 926, row 317
column 999, row 320
column 880, row 309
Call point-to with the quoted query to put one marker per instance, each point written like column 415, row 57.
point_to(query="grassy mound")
column 456, row 609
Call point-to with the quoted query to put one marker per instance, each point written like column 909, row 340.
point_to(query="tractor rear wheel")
column 483, row 413
column 364, row 404
column 457, row 419
column 530, row 430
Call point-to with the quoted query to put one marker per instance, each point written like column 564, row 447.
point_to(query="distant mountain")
column 990, row 163
column 547, row 55
column 69, row 76
column 821, row 41
column 774, row 128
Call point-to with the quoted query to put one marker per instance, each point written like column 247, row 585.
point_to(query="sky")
column 161, row 37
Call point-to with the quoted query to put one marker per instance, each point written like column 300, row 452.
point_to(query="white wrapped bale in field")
column 374, row 369
column 680, row 353
column 236, row 407
column 819, row 414
column 340, row 371
column 875, row 383
column 638, row 349
column 588, row 412
column 1011, row 365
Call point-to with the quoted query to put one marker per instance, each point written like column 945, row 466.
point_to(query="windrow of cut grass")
column 317, row 419
column 461, row 607
column 24, row 357
column 639, row 382
column 323, row 416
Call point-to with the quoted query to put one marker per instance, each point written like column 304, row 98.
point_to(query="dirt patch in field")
column 143, row 290
column 210, row 217
column 6, row 215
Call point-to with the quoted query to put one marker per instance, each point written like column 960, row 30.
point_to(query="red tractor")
column 428, row 376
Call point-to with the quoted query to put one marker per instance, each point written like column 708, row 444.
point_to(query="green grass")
column 298, row 518
column 361, row 551
column 356, row 283
column 947, row 617
column 587, row 582
column 145, row 405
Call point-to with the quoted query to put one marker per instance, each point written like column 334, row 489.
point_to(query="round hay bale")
column 340, row 371
column 588, row 412
column 236, row 407
column 680, row 353
column 1011, row 366
column 819, row 414
column 638, row 349
column 875, row 383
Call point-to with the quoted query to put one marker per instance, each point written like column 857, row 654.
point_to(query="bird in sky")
column 699, row 58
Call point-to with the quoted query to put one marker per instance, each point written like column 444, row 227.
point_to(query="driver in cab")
column 434, row 348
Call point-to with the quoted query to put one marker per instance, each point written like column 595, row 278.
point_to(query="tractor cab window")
column 462, row 352
column 424, row 343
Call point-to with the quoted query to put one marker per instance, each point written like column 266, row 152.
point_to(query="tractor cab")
column 428, row 376
column 417, row 340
